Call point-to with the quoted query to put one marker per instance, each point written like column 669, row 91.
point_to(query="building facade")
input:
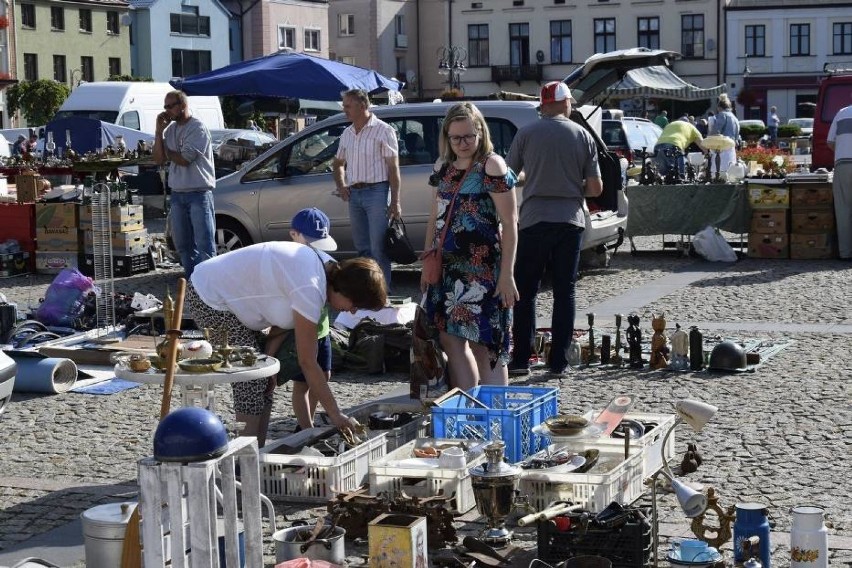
column 268, row 26
column 776, row 51
column 178, row 38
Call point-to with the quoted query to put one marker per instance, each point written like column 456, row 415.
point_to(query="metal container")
column 103, row 533
column 290, row 543
column 494, row 484
column 752, row 520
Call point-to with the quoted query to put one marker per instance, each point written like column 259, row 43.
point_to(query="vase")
column 808, row 538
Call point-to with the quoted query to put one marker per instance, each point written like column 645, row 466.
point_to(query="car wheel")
column 230, row 235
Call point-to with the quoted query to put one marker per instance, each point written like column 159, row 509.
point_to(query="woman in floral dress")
column 472, row 304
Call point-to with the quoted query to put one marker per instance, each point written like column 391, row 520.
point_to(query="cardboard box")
column 62, row 239
column 815, row 246
column 56, row 215
column 762, row 245
column 120, row 217
column 14, row 264
column 28, row 187
column 768, row 195
column 123, row 244
column 53, row 262
column 813, row 221
column 769, row 221
column 810, row 194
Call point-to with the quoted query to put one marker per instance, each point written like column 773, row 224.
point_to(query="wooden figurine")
column 680, row 349
column 659, row 343
column 634, row 341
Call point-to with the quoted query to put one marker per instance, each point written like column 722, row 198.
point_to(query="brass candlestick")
column 225, row 350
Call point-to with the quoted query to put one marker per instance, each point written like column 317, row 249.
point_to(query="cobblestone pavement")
column 781, row 437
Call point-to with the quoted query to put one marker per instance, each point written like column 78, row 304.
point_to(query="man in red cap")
column 560, row 162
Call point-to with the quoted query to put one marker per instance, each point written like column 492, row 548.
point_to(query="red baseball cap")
column 556, row 91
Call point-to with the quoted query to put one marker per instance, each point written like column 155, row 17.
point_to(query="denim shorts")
column 323, row 357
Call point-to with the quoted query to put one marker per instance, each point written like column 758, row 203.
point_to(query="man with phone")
column 185, row 143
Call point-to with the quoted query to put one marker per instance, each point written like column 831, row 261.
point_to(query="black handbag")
column 397, row 246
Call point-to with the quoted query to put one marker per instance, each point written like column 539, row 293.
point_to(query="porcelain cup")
column 693, row 550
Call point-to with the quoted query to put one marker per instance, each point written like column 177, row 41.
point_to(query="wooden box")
column 813, row 221
column 815, row 246
column 28, row 187
column 810, row 194
column 769, row 221
column 762, row 245
column 123, row 244
column 56, row 215
column 62, row 239
column 769, row 194
column 123, row 218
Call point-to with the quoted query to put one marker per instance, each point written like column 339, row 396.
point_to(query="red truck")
column 835, row 92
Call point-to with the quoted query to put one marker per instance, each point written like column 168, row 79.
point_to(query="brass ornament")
column 724, row 518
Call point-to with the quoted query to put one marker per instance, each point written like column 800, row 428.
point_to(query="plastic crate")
column 386, row 476
column 420, row 425
column 316, row 479
column 506, row 413
column 627, row 546
column 612, row 479
column 651, row 443
column 121, row 265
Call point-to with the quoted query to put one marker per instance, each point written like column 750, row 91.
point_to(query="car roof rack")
column 837, row 68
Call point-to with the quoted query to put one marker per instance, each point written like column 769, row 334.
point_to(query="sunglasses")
column 167, row 107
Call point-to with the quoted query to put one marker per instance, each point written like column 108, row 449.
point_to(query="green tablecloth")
column 686, row 209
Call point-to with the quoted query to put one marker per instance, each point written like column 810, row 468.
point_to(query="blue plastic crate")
column 505, row 413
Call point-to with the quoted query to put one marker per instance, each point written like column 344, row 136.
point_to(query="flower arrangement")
column 769, row 159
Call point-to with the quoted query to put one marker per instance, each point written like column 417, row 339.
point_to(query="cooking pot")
column 290, row 543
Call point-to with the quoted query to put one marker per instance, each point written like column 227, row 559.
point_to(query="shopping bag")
column 428, row 376
column 709, row 243
column 397, row 246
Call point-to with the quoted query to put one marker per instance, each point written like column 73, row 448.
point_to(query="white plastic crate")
column 386, row 476
column 651, row 442
column 612, row 479
column 314, row 478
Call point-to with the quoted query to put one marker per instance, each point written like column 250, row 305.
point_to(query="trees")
column 37, row 100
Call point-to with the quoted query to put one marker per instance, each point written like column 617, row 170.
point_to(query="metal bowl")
column 200, row 365
column 566, row 424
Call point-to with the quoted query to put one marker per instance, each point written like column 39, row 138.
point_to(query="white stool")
column 189, row 491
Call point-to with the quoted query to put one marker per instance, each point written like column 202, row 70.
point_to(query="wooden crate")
column 814, row 220
column 812, row 246
column 769, row 221
column 768, row 246
column 810, row 194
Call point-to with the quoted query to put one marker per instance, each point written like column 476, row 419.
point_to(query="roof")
column 770, row 4
column 660, row 81
column 104, row 3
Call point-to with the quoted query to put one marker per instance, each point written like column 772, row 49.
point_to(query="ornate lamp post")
column 451, row 63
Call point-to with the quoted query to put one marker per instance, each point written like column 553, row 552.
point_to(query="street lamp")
column 451, row 63
column 746, row 70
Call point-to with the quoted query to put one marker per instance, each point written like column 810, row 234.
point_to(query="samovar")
column 494, row 485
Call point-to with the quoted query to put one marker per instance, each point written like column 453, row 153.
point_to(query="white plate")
column 591, row 431
column 567, row 467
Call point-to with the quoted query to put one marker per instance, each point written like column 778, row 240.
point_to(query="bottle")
column 696, row 349
column 752, row 520
column 808, row 538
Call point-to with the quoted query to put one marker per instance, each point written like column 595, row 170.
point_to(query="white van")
column 134, row 104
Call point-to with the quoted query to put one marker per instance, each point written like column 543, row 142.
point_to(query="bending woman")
column 280, row 285
column 472, row 304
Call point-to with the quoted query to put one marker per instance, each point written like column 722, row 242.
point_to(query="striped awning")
column 659, row 82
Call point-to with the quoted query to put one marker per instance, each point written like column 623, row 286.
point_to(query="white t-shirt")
column 841, row 134
column 264, row 284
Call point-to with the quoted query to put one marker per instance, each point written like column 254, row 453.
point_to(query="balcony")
column 517, row 73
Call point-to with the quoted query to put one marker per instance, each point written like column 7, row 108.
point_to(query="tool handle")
column 171, row 354
column 547, row 514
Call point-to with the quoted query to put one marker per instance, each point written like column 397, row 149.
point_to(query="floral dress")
column 463, row 302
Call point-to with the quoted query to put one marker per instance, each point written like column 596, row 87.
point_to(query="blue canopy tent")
column 286, row 74
column 89, row 134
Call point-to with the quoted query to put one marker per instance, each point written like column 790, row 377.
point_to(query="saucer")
column 710, row 556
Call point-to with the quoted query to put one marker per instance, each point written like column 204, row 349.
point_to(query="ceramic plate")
column 567, row 467
column 674, row 558
column 591, row 431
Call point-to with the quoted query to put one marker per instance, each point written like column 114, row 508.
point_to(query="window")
column 347, row 59
column 418, row 139
column 114, row 66
column 312, row 40
column 57, row 19
column 755, row 41
column 130, row 119
column 800, row 39
column 477, row 45
column 30, row 67
column 843, row 38
column 28, row 18
column 87, row 66
column 286, row 38
column 186, row 62
column 112, row 23
column 399, row 24
column 59, row 69
column 648, row 32
column 519, row 44
column 560, row 41
column 188, row 22
column 692, row 36
column 309, row 155
column 346, row 24
column 502, row 132
column 604, row 35
column 85, row 20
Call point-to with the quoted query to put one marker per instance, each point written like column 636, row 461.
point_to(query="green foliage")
column 789, row 130
column 37, row 100
column 749, row 131
column 130, row 78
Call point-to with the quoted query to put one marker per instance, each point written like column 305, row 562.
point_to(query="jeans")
column 666, row 163
column 368, row 213
column 556, row 245
column 193, row 227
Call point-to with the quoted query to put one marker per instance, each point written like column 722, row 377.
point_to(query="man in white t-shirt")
column 840, row 139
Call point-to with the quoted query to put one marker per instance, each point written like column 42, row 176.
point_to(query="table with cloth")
column 686, row 209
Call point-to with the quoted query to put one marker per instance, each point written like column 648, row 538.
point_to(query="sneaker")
column 518, row 370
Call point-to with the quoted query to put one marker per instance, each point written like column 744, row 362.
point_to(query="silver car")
column 257, row 203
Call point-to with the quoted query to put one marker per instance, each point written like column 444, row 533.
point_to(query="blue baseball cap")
column 314, row 225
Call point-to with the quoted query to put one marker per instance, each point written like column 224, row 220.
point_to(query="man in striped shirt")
column 840, row 140
column 366, row 172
